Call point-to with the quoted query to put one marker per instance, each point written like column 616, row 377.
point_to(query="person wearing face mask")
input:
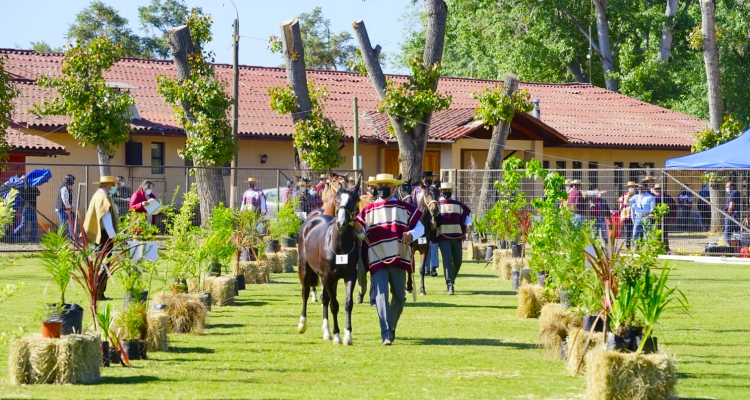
column 733, row 208
column 418, row 195
column 387, row 226
column 642, row 205
column 365, row 200
column 626, row 218
column 100, row 224
column 141, row 196
column 452, row 226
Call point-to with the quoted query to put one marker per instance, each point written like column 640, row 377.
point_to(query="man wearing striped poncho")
column 451, row 231
column 387, row 227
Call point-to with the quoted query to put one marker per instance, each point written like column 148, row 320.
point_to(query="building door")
column 431, row 162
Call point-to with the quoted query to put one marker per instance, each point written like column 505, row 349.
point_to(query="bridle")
column 428, row 204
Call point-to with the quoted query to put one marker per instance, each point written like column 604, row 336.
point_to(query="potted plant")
column 287, row 224
column 52, row 322
column 111, row 347
column 245, row 237
column 182, row 247
column 143, row 244
column 217, row 247
column 131, row 276
column 58, row 260
column 133, row 322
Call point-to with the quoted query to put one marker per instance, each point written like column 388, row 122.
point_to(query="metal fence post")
column 278, row 191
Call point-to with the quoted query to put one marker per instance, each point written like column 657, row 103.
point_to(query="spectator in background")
column 642, row 205
column 306, row 202
column 29, row 221
column 734, row 209
column 122, row 196
column 626, row 218
column 64, row 204
column 685, row 204
column 575, row 199
column 704, row 207
column 321, row 184
column 254, row 199
column 141, row 197
column 288, row 192
column 100, row 224
column 599, row 211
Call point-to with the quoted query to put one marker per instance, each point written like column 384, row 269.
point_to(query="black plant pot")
column 516, row 250
column 132, row 349
column 114, row 356
column 214, row 269
column 591, row 324
column 248, row 255
column 128, row 298
column 564, row 350
column 290, row 242
column 272, row 246
column 541, row 278
column 240, row 284
column 475, row 236
column 515, row 279
column 489, row 253
column 503, row 244
column 143, row 349
column 72, row 319
column 619, row 343
column 205, row 299
column 105, row 354
column 651, row 345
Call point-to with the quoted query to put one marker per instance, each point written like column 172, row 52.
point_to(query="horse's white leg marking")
column 326, row 331
column 314, row 296
column 302, row 326
column 347, row 338
column 336, row 339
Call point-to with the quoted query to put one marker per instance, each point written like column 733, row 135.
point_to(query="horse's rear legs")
column 302, row 326
column 325, row 298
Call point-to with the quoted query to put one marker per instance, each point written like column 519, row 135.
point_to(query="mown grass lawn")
column 470, row 345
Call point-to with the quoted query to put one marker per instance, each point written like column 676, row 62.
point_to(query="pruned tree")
column 496, row 109
column 98, row 114
column 201, row 105
column 666, row 35
column 410, row 105
column 8, row 92
column 710, row 48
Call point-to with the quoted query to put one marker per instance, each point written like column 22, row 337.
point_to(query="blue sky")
column 48, row 20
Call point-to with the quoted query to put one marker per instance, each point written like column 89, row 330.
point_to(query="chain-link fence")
column 36, row 207
column 699, row 221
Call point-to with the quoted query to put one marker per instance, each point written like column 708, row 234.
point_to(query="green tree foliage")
column 156, row 19
column 317, row 136
column 495, row 106
column 545, row 41
column 99, row 19
column 8, row 92
column 43, row 47
column 209, row 136
column 98, row 114
column 707, row 138
column 324, row 49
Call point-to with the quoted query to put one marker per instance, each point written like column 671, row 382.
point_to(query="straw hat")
column 447, row 186
column 384, row 178
column 323, row 176
column 302, row 183
column 657, row 186
column 649, row 179
column 575, row 182
column 630, row 184
column 252, row 180
column 106, row 179
column 568, row 181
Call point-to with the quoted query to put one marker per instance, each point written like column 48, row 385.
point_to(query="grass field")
column 470, row 345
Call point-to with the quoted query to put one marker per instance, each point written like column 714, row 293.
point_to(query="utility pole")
column 233, row 195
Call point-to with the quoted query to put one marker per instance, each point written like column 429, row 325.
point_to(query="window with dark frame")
column 545, row 164
column 157, row 158
column 618, row 176
column 560, row 165
column 577, row 167
column 594, row 173
column 635, row 171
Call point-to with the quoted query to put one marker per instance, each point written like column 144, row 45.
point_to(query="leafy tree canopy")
column 156, row 20
column 99, row 19
column 43, row 47
column 8, row 92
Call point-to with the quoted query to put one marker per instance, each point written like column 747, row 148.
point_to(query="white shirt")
column 250, row 195
column 106, row 221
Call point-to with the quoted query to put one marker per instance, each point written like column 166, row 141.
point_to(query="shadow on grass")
column 120, row 380
column 249, row 303
column 430, row 304
column 211, row 326
column 473, row 342
column 198, row 350
column 493, row 292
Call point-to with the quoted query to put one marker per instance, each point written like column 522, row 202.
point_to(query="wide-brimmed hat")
column 302, row 183
column 568, row 181
column 323, row 176
column 427, row 174
column 105, row 180
column 252, row 180
column 575, row 182
column 657, row 186
column 447, row 186
column 384, row 178
column 631, row 183
column 649, row 179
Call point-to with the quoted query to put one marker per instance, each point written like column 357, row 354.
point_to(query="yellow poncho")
column 101, row 203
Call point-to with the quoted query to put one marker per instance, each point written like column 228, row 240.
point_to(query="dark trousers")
column 627, row 231
column 105, row 247
column 451, row 251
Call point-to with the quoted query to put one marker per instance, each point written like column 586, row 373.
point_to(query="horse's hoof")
column 314, row 298
column 422, row 292
column 326, row 331
column 348, row 338
column 302, row 326
column 336, row 339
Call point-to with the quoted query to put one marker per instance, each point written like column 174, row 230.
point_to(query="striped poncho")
column 385, row 222
column 451, row 224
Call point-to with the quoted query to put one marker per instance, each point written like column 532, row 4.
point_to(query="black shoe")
column 387, row 342
column 434, row 273
column 360, row 298
column 104, row 298
column 450, row 290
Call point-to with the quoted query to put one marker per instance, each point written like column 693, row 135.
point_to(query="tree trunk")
column 104, row 161
column 716, row 191
column 666, row 34
column 605, row 49
column 208, row 181
column 294, row 59
column 411, row 144
column 575, row 69
column 711, row 57
column 497, row 148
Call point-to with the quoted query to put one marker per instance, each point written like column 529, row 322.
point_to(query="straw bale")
column 185, row 313
column 506, row 269
column 292, row 253
column 530, row 301
column 554, row 324
column 497, row 259
column 286, row 260
column 238, row 268
column 475, row 251
column 157, row 331
column 221, row 289
column 280, row 262
column 579, row 343
column 193, row 284
column 614, row 375
column 255, row 272
column 526, row 276
column 67, row 360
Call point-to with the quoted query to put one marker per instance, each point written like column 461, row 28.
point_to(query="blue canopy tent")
column 732, row 154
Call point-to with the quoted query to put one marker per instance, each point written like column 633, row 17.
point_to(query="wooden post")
column 233, row 192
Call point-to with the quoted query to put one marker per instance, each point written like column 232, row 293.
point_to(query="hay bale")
column 554, row 324
column 506, row 269
column 497, row 259
column 67, row 360
column 238, row 269
column 614, row 375
column 579, row 343
column 475, row 251
column 157, row 331
column 185, row 313
column 193, row 284
column 530, row 301
column 255, row 272
column 221, row 289
column 287, row 265
column 292, row 253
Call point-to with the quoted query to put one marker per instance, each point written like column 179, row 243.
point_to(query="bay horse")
column 322, row 238
column 430, row 208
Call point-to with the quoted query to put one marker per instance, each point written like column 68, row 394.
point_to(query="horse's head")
column 431, row 198
column 347, row 205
